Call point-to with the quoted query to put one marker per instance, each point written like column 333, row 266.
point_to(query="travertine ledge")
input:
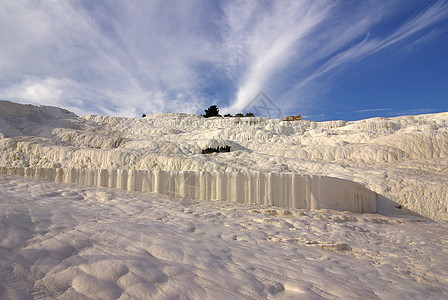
column 275, row 189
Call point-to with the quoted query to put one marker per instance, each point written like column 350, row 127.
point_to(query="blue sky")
column 325, row 60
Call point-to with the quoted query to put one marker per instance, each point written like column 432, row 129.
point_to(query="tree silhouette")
column 212, row 111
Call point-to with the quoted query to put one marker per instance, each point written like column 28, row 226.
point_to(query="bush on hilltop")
column 212, row 111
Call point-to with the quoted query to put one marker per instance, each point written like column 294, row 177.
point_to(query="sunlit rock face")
column 402, row 160
column 272, row 189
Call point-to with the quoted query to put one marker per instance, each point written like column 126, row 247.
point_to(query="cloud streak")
column 370, row 45
column 270, row 51
column 133, row 57
column 120, row 58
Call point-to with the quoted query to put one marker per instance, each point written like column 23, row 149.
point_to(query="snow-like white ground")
column 75, row 241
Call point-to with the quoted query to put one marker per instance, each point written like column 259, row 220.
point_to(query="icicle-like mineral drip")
column 281, row 190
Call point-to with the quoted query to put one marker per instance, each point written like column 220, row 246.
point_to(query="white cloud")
column 371, row 45
column 46, row 91
column 372, row 110
column 136, row 57
column 120, row 59
column 272, row 42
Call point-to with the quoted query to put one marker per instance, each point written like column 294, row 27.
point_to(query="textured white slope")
column 281, row 190
column 402, row 159
column 75, row 242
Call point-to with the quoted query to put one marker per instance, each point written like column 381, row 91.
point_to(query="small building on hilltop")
column 293, row 118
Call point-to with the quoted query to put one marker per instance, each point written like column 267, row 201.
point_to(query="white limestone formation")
column 403, row 160
column 280, row 190
column 71, row 241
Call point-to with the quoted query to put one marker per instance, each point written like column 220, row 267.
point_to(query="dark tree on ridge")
column 212, row 111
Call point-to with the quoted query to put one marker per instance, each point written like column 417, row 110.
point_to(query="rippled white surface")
column 66, row 241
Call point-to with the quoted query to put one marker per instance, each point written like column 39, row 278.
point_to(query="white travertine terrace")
column 281, row 190
column 402, row 159
column 95, row 212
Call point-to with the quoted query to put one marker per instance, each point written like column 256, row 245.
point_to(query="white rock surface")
column 63, row 241
column 72, row 241
column 281, row 190
column 403, row 159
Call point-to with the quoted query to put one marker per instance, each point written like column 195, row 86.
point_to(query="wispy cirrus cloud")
column 272, row 41
column 371, row 44
column 373, row 110
column 133, row 57
column 122, row 59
